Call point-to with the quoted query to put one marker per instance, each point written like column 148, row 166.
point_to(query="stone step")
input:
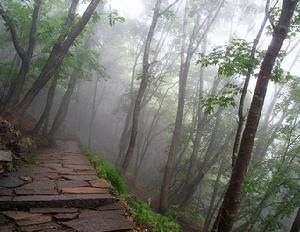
column 55, row 201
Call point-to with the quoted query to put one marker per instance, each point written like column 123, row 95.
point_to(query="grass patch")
column 106, row 170
column 141, row 212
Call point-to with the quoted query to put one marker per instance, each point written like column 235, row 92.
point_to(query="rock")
column 66, row 216
column 7, row 228
column 5, row 156
column 71, row 184
column 10, row 182
column 51, row 226
column 100, row 221
column 5, row 192
column 79, row 167
column 84, row 190
column 54, row 210
column 20, row 192
column 100, row 183
column 26, row 178
column 80, row 177
column 22, row 218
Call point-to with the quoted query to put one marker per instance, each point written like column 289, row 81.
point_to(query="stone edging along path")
column 62, row 192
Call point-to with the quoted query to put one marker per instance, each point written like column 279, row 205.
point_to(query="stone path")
column 60, row 193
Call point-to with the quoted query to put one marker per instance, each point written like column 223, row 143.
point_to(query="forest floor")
column 59, row 192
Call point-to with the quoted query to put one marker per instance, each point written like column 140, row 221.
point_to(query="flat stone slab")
column 100, row 183
column 80, row 177
column 100, row 221
column 84, row 190
column 60, row 193
column 10, row 182
column 71, row 184
column 6, row 228
column 66, row 216
column 20, row 192
column 5, row 192
column 55, row 201
column 51, row 226
column 5, row 156
column 24, row 218
column 79, row 167
column 54, row 210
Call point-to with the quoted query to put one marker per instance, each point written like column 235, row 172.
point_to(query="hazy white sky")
column 128, row 8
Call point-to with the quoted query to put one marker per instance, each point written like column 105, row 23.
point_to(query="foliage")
column 114, row 17
column 142, row 214
column 225, row 99
column 233, row 59
column 106, row 170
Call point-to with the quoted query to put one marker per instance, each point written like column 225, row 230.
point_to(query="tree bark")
column 16, row 88
column 63, row 108
column 46, row 113
column 296, row 224
column 241, row 113
column 56, row 57
column 231, row 202
column 183, row 74
column 209, row 214
column 142, row 89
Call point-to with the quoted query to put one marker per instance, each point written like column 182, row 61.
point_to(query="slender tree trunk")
column 93, row 113
column 186, row 56
column 231, row 202
column 56, row 57
column 205, row 166
column 142, row 89
column 46, row 113
column 16, row 88
column 63, row 108
column 296, row 224
column 199, row 133
column 209, row 214
column 164, row 191
column 241, row 113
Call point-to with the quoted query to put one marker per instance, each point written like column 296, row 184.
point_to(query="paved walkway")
column 60, row 193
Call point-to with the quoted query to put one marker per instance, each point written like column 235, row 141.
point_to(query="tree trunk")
column 93, row 113
column 231, row 202
column 56, row 57
column 241, row 113
column 142, row 89
column 63, row 108
column 209, row 214
column 16, row 88
column 183, row 73
column 46, row 113
column 296, row 223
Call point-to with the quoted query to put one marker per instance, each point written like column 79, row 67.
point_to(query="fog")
column 186, row 35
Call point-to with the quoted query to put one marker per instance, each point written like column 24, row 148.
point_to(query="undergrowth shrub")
column 106, row 170
column 141, row 212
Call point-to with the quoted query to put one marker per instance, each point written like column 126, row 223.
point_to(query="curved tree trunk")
column 16, row 88
column 47, row 109
column 56, row 56
column 142, row 89
column 63, row 108
column 231, row 202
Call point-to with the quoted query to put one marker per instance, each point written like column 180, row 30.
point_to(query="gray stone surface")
column 10, row 182
column 5, row 156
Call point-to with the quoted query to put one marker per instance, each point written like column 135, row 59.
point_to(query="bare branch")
column 167, row 8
